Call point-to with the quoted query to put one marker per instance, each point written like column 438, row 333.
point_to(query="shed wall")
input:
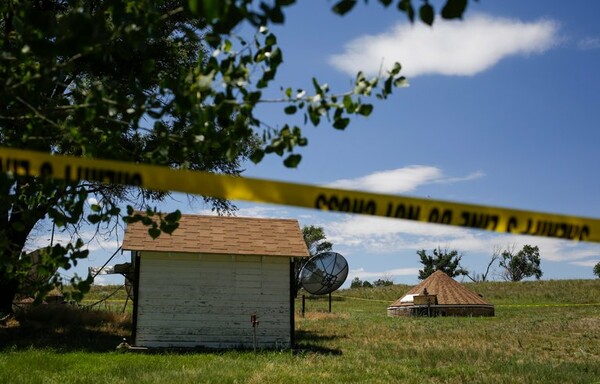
column 199, row 300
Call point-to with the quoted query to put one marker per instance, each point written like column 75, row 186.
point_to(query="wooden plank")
column 207, row 300
column 218, row 320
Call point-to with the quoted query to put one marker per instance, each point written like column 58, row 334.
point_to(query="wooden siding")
column 199, row 300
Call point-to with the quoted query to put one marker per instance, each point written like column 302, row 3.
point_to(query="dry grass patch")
column 311, row 316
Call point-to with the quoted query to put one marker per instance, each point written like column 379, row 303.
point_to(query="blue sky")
column 502, row 109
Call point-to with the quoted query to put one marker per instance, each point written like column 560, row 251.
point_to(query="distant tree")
column 442, row 260
column 383, row 282
column 597, row 270
column 356, row 283
column 522, row 264
column 477, row 277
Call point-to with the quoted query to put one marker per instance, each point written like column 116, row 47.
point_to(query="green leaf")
column 401, row 82
column 168, row 228
column 396, row 68
column 292, row 161
column 257, row 156
column 426, row 13
column 344, row 6
column 314, row 116
column 173, row 217
column 406, row 7
column 213, row 9
column 253, row 97
column 348, row 104
column 18, row 226
column 317, row 85
column 387, row 87
column 454, row 9
column 193, row 6
column 341, row 123
column 290, row 109
column 154, row 232
column 94, row 219
column 270, row 40
column 365, row 109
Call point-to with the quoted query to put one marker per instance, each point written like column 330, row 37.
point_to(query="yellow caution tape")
column 29, row 163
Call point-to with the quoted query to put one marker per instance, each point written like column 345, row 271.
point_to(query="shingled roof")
column 222, row 235
column 450, row 294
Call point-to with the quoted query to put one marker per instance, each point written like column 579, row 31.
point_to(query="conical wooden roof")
column 448, row 291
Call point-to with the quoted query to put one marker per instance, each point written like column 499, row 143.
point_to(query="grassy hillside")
column 546, row 331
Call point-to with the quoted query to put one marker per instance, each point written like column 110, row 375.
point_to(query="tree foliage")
column 385, row 282
column 525, row 263
column 146, row 81
column 597, row 270
column 452, row 9
column 358, row 283
column 315, row 240
column 441, row 260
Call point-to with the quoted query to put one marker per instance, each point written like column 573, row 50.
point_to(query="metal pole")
column 254, row 321
column 303, row 304
column 329, row 302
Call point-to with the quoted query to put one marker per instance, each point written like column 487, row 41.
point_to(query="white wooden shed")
column 202, row 285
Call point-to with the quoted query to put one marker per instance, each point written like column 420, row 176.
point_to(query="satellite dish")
column 324, row 273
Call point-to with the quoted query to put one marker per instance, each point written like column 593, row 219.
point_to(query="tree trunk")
column 8, row 291
column 12, row 242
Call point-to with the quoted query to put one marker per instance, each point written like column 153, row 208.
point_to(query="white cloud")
column 253, row 211
column 588, row 263
column 450, row 48
column 362, row 274
column 472, row 176
column 589, row 43
column 393, row 181
column 109, row 280
column 401, row 180
column 383, row 235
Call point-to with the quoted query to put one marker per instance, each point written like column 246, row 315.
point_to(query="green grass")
column 546, row 332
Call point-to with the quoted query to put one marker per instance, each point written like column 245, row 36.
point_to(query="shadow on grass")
column 60, row 340
column 312, row 342
column 64, row 328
